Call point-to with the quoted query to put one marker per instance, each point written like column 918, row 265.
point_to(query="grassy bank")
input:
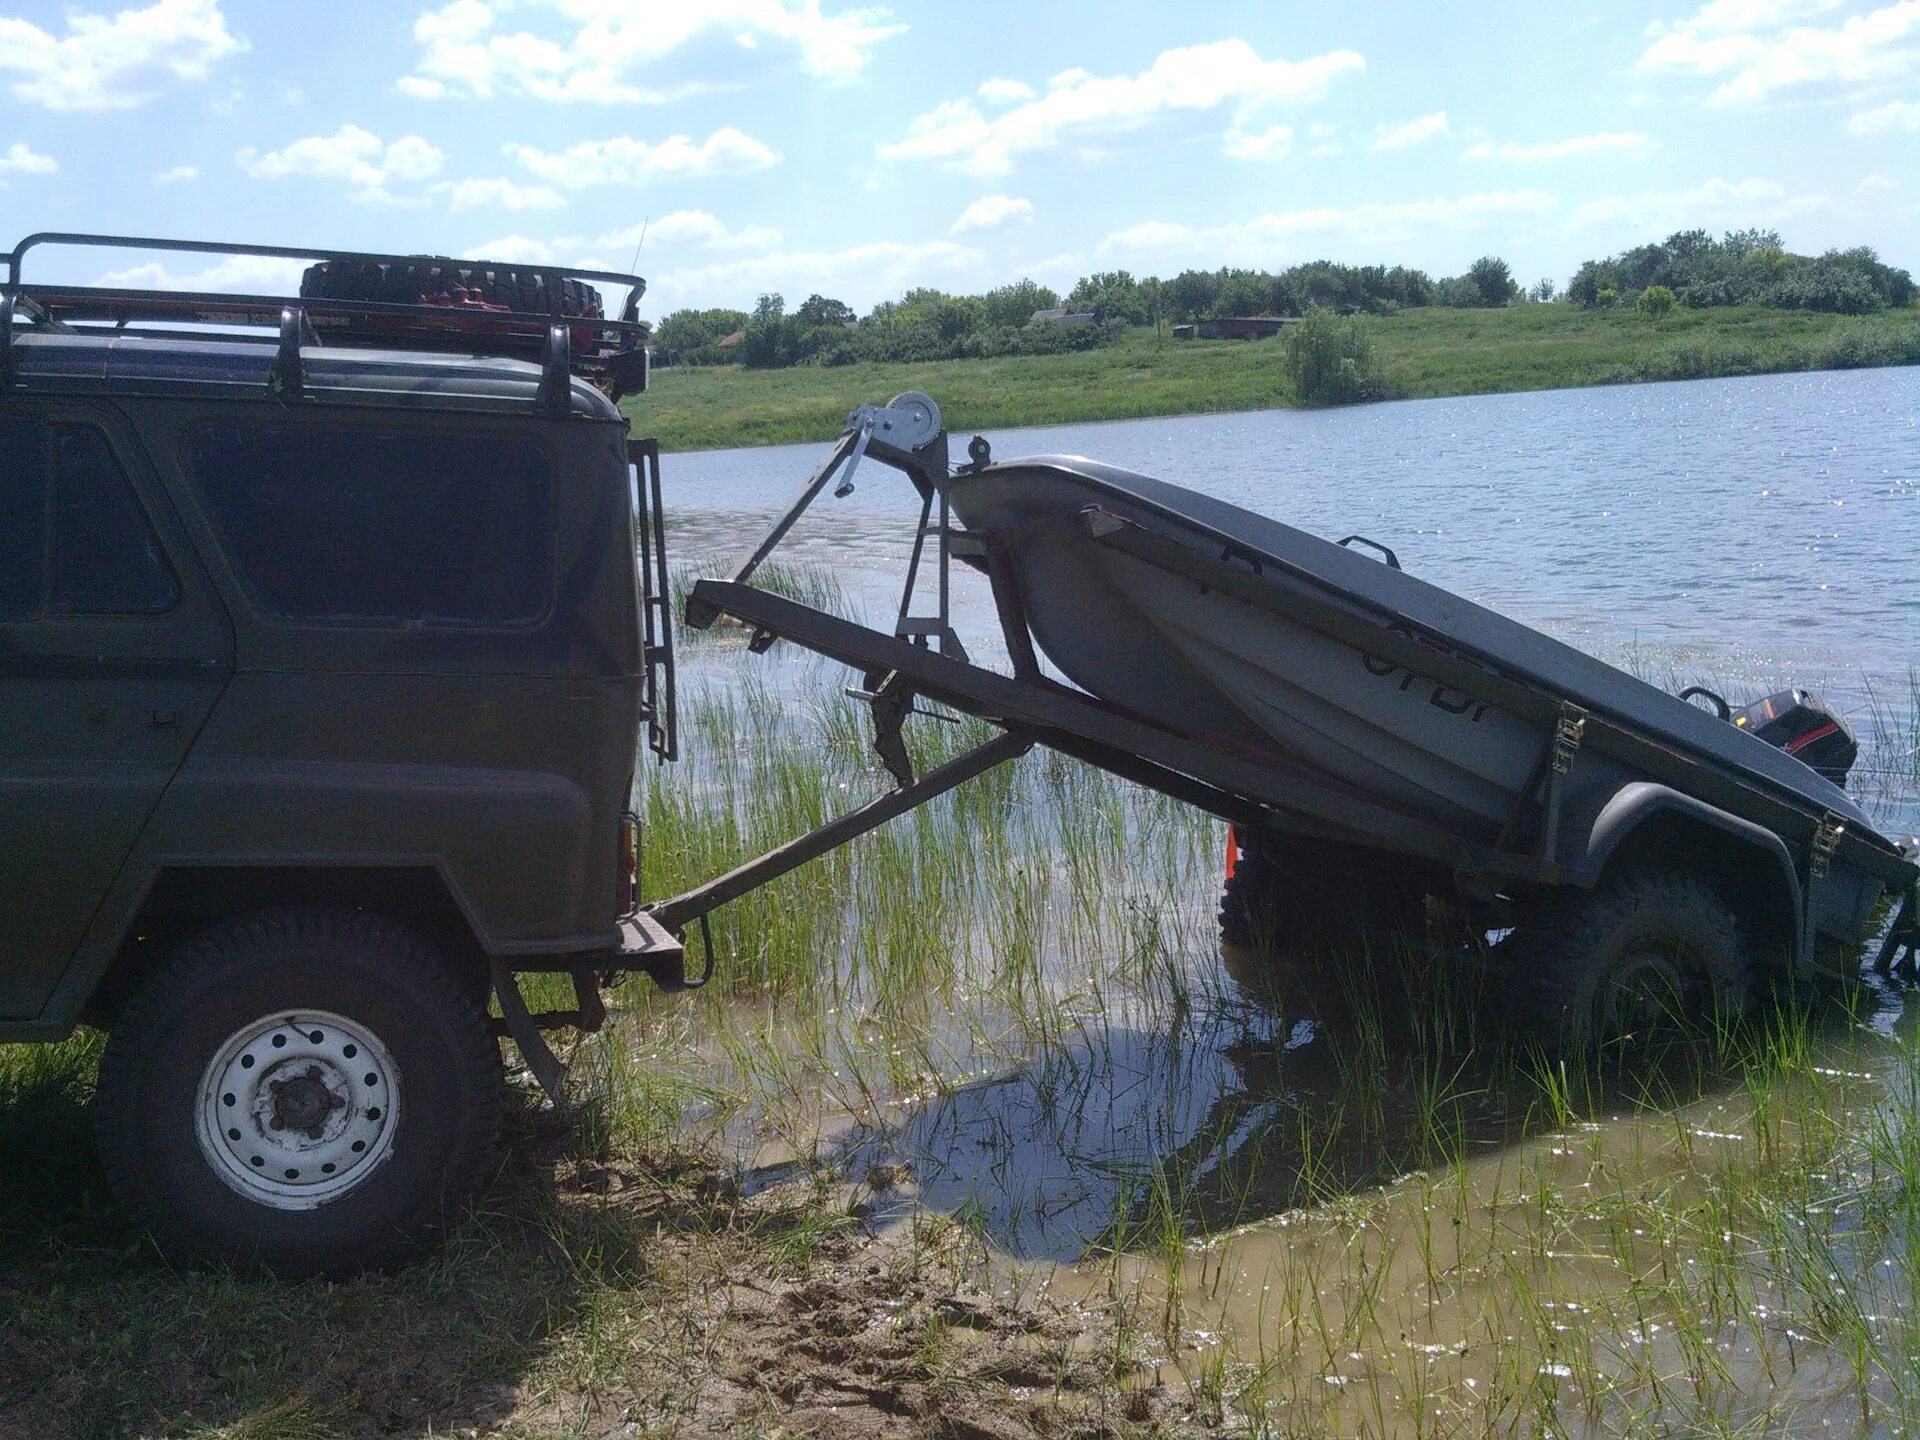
column 1422, row 352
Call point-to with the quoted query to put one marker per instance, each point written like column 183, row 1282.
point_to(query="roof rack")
column 455, row 318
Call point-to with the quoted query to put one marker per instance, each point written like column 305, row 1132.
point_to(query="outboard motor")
column 1806, row 727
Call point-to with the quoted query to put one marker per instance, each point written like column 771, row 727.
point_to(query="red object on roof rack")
column 543, row 313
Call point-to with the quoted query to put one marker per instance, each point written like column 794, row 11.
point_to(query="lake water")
column 1746, row 533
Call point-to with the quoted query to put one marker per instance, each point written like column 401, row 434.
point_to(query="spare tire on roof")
column 410, row 282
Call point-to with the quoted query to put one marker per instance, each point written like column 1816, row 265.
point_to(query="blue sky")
column 856, row 150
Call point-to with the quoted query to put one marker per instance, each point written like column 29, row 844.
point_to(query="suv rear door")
column 112, row 653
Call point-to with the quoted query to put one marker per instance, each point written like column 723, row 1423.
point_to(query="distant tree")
column 1242, row 292
column 1112, row 294
column 1768, row 262
column 1013, row 305
column 1542, row 292
column 1494, row 281
column 819, row 310
column 679, row 336
column 1191, row 294
column 1331, row 361
column 765, row 345
column 1655, row 301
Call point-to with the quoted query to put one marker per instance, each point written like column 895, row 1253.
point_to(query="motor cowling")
column 1806, row 727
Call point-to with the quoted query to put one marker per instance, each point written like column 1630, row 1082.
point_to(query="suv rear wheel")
column 311, row 1089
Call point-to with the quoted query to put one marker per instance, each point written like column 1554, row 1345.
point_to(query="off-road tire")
column 384, row 979
column 408, row 282
column 1649, row 956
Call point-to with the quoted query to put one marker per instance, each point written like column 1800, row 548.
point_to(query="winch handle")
column 1720, row 706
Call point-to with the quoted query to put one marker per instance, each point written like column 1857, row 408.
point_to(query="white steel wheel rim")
column 298, row 1108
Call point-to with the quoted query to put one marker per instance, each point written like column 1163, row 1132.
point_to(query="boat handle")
column 1720, row 706
column 1393, row 560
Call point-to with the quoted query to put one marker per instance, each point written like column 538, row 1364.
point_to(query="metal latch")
column 1568, row 732
column 1825, row 839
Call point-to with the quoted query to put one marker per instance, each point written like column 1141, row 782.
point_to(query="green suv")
column 326, row 647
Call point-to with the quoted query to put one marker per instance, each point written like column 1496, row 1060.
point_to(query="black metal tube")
column 808, row 493
column 679, row 911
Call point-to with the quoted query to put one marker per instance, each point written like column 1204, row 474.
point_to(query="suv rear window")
column 397, row 527
column 73, row 538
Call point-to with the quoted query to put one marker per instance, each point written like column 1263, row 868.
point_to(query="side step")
column 648, row 946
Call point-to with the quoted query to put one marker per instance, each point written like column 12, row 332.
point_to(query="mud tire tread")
column 261, row 955
column 1560, row 955
column 405, row 282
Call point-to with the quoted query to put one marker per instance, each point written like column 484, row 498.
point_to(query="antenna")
column 641, row 241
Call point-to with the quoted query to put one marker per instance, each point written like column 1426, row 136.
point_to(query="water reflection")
column 1244, row 1105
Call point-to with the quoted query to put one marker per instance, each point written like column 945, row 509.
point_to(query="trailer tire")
column 310, row 1089
column 1649, row 955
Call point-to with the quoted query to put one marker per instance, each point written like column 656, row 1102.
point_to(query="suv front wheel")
column 311, row 1089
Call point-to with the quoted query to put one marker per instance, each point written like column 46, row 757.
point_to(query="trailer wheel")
column 310, row 1089
column 1651, row 955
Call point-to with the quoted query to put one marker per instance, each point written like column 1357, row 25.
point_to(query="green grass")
column 1422, row 352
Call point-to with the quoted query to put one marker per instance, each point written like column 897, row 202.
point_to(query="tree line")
column 1745, row 267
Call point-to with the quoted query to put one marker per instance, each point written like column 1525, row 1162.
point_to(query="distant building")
column 1065, row 317
column 1183, row 332
column 738, row 337
column 1244, row 327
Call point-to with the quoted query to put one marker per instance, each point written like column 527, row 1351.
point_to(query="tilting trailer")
column 1364, row 732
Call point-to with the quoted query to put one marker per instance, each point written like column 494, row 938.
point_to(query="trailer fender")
column 1646, row 820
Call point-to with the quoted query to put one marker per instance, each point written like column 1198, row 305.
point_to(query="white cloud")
column 1876, row 185
column 516, row 250
column 623, row 160
column 1742, row 201
column 500, row 195
column 589, row 50
column 240, row 275
column 1076, row 104
column 1894, row 115
column 1756, row 53
column 356, row 158
column 860, row 275
column 1000, row 91
column 1604, row 143
column 116, row 62
column 20, row 160
column 689, row 229
column 991, row 212
column 1273, row 143
column 177, row 175
column 1371, row 224
column 1413, row 132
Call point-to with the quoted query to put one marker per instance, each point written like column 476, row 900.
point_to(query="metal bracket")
column 287, row 371
column 524, row 1028
column 1901, row 948
column 1568, row 731
column 1826, row 838
column 7, row 305
column 555, row 392
column 891, row 700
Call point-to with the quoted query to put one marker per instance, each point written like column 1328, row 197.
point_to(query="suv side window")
column 73, row 538
column 396, row 527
